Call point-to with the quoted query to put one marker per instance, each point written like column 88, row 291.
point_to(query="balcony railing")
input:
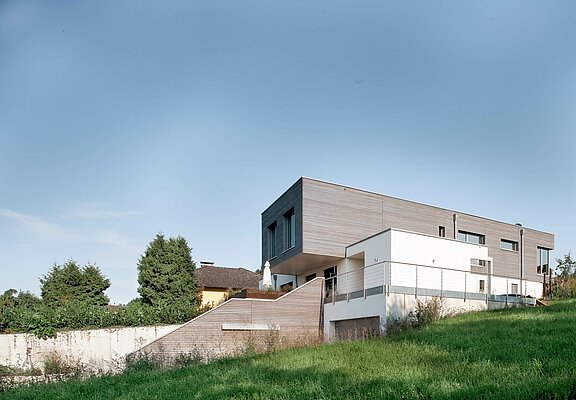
column 388, row 277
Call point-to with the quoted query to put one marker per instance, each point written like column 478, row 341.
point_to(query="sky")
column 123, row 119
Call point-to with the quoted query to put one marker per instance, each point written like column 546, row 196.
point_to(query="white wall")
column 372, row 306
column 96, row 350
column 412, row 253
column 434, row 251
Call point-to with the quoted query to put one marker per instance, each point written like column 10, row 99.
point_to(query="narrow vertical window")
column 482, row 287
column 514, row 288
column 330, row 279
column 289, row 230
column 272, row 241
column 441, row 231
column 543, row 261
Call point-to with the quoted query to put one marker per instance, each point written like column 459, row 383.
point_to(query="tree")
column 69, row 282
column 566, row 266
column 167, row 274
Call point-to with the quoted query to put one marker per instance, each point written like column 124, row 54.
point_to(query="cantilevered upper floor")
column 312, row 223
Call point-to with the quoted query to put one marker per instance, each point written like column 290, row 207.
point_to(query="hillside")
column 527, row 353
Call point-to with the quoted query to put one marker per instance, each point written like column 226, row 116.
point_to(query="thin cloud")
column 34, row 224
column 44, row 228
column 96, row 211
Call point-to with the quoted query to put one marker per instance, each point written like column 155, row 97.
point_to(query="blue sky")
column 121, row 119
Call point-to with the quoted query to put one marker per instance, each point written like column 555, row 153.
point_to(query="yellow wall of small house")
column 213, row 296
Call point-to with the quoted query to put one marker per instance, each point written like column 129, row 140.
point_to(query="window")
column 543, row 261
column 471, row 237
column 441, row 231
column 272, row 241
column 482, row 287
column 330, row 278
column 514, row 288
column 310, row 277
column 508, row 245
column 289, row 230
column 478, row 263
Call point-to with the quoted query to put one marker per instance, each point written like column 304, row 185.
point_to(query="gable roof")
column 210, row 276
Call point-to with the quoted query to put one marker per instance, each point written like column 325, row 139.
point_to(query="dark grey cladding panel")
column 292, row 198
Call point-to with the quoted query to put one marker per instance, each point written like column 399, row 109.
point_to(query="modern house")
column 216, row 282
column 379, row 254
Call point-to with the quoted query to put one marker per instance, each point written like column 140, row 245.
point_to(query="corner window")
column 543, row 261
column 272, row 241
column 470, row 237
column 508, row 245
column 289, row 230
column 441, row 231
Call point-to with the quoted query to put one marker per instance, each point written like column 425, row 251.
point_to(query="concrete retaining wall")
column 94, row 350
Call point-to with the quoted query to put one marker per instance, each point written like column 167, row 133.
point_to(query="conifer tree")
column 167, row 273
column 69, row 282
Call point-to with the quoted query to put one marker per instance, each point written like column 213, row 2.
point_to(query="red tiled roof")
column 210, row 276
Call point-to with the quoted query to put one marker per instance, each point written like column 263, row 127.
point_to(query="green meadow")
column 518, row 353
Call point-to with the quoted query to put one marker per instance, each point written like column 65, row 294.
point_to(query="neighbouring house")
column 216, row 282
column 378, row 254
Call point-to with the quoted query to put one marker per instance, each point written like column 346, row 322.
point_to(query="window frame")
column 514, row 245
column 289, row 229
column 272, row 237
column 514, row 288
column 467, row 235
column 539, row 266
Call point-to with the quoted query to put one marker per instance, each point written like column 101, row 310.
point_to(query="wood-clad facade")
column 237, row 324
column 331, row 217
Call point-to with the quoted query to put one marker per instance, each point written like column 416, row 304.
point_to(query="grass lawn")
column 523, row 353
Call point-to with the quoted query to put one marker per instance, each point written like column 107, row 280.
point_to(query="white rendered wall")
column 435, row 251
column 373, row 306
column 376, row 251
column 96, row 350
column 412, row 254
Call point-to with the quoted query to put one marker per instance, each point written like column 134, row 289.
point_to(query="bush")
column 44, row 321
column 425, row 313
column 565, row 287
column 55, row 364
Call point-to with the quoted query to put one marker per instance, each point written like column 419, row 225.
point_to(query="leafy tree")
column 167, row 274
column 70, row 283
column 7, row 299
column 566, row 266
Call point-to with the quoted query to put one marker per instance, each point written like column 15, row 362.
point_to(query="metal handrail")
column 385, row 280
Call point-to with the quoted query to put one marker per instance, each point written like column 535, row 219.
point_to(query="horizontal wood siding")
column 336, row 216
column 297, row 314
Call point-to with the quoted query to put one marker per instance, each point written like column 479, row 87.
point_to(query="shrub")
column 56, row 364
column 44, row 321
column 425, row 313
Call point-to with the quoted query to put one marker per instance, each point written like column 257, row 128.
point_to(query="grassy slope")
column 511, row 354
